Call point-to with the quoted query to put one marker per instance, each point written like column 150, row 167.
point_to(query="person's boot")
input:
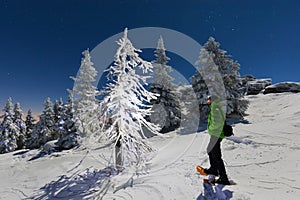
column 223, row 181
column 201, row 170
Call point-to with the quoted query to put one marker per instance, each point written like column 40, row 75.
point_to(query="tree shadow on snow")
column 91, row 184
column 41, row 154
column 214, row 193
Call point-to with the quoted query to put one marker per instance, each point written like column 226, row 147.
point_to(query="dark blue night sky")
column 41, row 41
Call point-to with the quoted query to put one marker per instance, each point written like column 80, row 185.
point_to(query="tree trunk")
column 118, row 155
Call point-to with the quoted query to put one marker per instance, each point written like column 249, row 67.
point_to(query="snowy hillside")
column 262, row 158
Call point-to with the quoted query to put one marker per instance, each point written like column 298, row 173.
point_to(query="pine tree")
column 229, row 71
column 47, row 118
column 9, row 106
column 86, row 106
column 20, row 123
column 212, row 55
column 125, row 104
column 206, row 73
column 166, row 111
column 58, row 109
column 189, row 107
column 68, row 137
column 161, row 68
column 9, row 135
column 68, row 107
column 30, row 123
column 9, row 131
column 44, row 130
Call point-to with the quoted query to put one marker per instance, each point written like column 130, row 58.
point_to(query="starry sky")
column 41, row 41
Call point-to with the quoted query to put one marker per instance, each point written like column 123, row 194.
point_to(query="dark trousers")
column 217, row 166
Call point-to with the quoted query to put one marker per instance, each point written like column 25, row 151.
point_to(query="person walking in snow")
column 215, row 126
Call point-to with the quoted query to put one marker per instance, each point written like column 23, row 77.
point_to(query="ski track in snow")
column 262, row 157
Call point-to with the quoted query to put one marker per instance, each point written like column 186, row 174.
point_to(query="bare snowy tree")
column 127, row 104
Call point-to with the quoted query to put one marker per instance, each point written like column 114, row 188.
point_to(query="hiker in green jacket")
column 215, row 126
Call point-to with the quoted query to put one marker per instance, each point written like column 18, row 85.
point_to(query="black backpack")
column 228, row 130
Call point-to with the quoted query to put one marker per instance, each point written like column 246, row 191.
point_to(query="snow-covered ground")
column 262, row 158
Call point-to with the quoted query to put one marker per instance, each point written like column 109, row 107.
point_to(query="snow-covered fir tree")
column 199, row 81
column 9, row 107
column 189, row 107
column 162, row 70
column 9, row 130
column 30, row 123
column 58, row 109
column 48, row 119
column 166, row 109
column 86, row 106
column 68, row 137
column 9, row 135
column 44, row 130
column 228, row 69
column 126, row 104
column 20, row 123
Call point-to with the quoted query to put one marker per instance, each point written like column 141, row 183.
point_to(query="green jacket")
column 216, row 119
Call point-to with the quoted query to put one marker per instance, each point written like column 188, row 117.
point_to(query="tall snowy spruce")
column 206, row 68
column 9, row 130
column 68, row 137
column 30, row 123
column 236, row 104
column 166, row 110
column 58, row 111
column 20, row 123
column 44, row 130
column 86, row 106
column 127, row 104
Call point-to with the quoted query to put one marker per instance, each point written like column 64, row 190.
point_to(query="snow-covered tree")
column 47, row 118
column 59, row 120
column 44, row 130
column 166, row 111
column 126, row 104
column 9, row 131
column 9, row 135
column 229, row 71
column 206, row 73
column 9, row 107
column 86, row 106
column 20, row 123
column 30, row 123
column 162, row 70
column 58, row 109
column 212, row 55
column 189, row 107
column 68, row 107
column 68, row 137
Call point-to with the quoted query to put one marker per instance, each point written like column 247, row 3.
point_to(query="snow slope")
column 263, row 158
